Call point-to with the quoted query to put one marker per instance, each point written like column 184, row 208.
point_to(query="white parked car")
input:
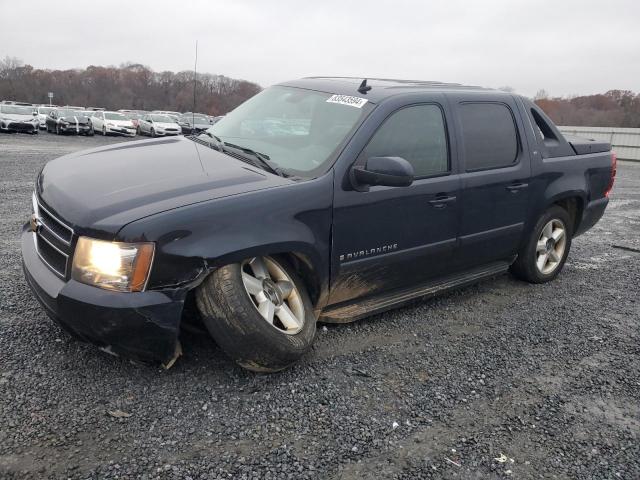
column 19, row 118
column 43, row 113
column 158, row 125
column 112, row 122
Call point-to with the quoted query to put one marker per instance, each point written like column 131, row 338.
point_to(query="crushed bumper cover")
column 73, row 128
column 143, row 326
column 21, row 127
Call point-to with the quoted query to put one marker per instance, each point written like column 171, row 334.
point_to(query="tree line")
column 129, row 86
column 135, row 86
column 616, row 108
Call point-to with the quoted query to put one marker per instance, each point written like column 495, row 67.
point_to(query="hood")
column 73, row 119
column 103, row 189
column 17, row 117
column 166, row 125
column 120, row 123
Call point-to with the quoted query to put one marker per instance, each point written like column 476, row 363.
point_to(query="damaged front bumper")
column 18, row 126
column 143, row 326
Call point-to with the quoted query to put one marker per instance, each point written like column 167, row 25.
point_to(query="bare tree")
column 131, row 85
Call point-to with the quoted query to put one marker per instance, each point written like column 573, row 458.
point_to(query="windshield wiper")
column 218, row 145
column 263, row 160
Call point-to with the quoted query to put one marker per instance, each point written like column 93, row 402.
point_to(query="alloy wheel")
column 551, row 246
column 274, row 294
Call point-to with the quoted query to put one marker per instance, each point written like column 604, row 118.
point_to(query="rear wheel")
column 259, row 312
column 547, row 248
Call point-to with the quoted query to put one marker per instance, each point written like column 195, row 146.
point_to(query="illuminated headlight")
column 123, row 267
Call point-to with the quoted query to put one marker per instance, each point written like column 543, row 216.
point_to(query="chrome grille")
column 53, row 239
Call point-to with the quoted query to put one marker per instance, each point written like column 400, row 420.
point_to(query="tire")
column 104, row 131
column 138, row 132
column 91, row 132
column 527, row 266
column 231, row 314
column 153, row 133
column 57, row 129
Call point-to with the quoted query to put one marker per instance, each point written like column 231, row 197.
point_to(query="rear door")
column 495, row 175
column 389, row 238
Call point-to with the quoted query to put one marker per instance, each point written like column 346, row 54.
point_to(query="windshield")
column 161, row 119
column 114, row 116
column 16, row 110
column 71, row 113
column 195, row 118
column 298, row 130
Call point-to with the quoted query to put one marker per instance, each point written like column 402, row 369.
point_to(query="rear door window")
column 490, row 138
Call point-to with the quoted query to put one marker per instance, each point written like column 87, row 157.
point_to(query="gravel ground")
column 499, row 380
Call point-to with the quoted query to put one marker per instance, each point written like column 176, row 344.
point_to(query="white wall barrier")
column 625, row 141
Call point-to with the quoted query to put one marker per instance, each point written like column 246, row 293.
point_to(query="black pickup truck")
column 318, row 199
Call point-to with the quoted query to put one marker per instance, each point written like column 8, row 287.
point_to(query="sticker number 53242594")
column 347, row 100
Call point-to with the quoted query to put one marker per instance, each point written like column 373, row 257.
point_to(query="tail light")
column 614, row 168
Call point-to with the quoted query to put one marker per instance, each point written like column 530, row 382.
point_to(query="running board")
column 369, row 306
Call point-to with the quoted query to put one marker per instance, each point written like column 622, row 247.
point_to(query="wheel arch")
column 574, row 206
column 303, row 258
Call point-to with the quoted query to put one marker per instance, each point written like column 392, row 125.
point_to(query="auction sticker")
column 347, row 100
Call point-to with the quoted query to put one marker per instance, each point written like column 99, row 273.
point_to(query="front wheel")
column 153, row 133
column 259, row 312
column 546, row 251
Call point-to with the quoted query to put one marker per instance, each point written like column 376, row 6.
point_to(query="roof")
column 381, row 87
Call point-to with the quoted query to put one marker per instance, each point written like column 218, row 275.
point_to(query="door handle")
column 441, row 201
column 514, row 187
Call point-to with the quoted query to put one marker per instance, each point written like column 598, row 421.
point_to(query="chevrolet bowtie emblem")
column 34, row 223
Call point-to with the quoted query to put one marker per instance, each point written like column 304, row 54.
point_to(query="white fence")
column 625, row 141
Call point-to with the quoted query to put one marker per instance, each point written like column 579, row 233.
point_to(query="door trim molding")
column 397, row 255
column 472, row 238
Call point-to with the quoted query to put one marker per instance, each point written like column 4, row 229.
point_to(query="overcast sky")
column 564, row 46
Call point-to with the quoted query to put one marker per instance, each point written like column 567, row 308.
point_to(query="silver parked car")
column 157, row 125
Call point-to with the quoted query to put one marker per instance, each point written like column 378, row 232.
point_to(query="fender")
column 193, row 240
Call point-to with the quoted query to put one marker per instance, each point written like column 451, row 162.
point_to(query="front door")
column 389, row 238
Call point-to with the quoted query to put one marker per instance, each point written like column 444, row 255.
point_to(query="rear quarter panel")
column 584, row 177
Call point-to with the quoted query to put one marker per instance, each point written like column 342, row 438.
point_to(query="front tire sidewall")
column 236, row 325
column 525, row 266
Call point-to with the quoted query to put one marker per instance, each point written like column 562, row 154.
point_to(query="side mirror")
column 35, row 114
column 385, row 171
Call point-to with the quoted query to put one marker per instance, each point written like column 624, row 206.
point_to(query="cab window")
column 417, row 134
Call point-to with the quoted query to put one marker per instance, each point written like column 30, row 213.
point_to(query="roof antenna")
column 364, row 88
column 195, row 80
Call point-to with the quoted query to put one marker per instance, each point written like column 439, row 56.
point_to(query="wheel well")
column 301, row 263
column 574, row 207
